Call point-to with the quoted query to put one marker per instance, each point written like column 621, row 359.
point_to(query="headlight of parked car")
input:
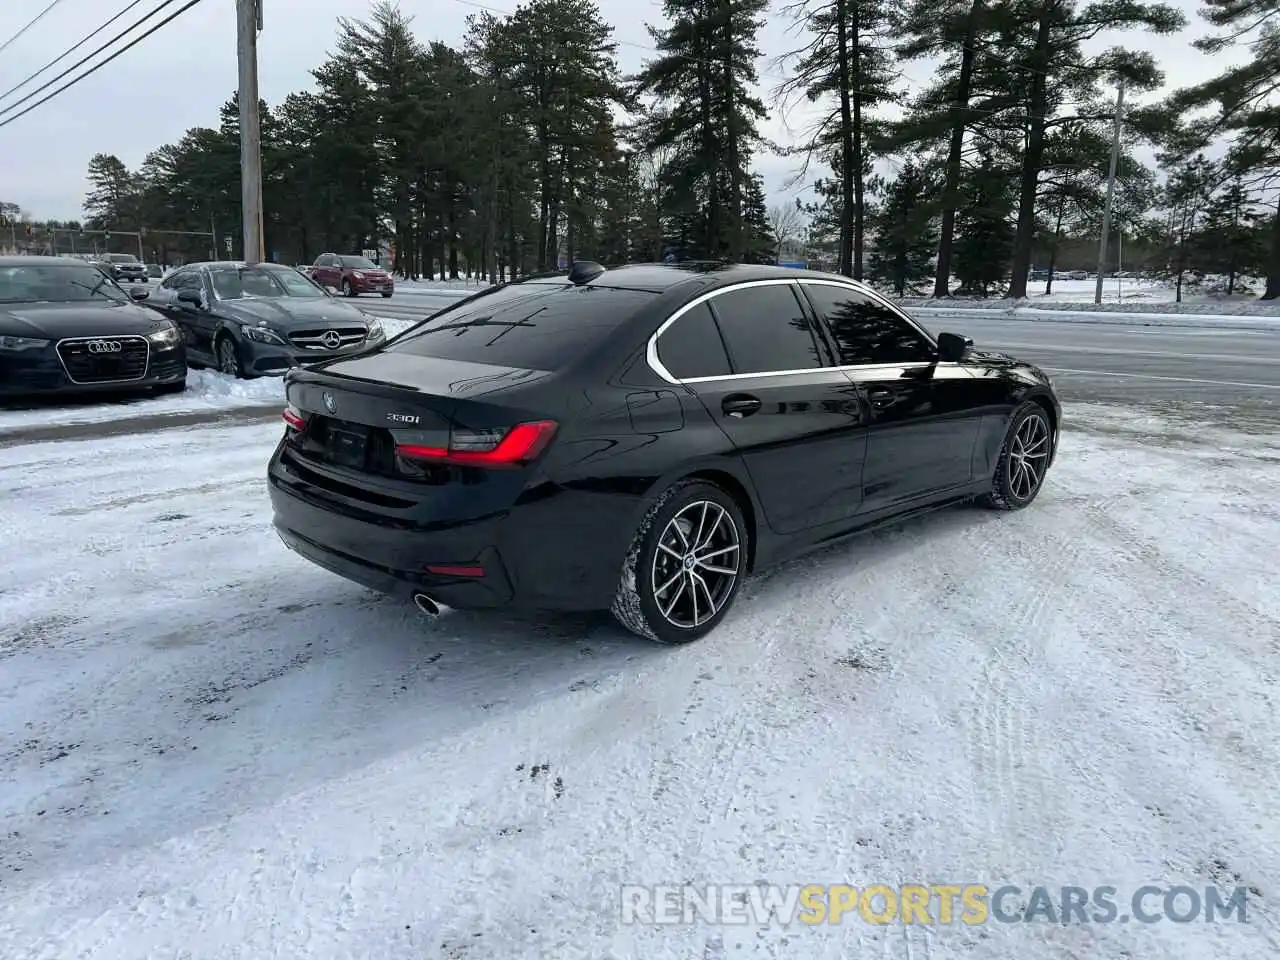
column 168, row 337
column 375, row 330
column 262, row 335
column 16, row 344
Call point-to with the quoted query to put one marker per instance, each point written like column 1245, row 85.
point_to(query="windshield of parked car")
column 358, row 263
column 57, row 282
column 534, row 326
column 252, row 283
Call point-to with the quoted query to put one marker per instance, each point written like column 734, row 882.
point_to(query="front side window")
column 57, row 282
column 531, row 326
column 864, row 331
column 691, row 347
column 766, row 330
column 253, row 283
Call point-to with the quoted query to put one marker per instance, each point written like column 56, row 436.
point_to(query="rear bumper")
column 555, row 549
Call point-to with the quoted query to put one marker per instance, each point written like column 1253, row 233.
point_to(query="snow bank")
column 206, row 390
column 231, row 754
column 1018, row 310
column 462, row 288
column 1131, row 297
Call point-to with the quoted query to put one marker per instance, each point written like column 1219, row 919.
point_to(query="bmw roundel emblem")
column 330, row 404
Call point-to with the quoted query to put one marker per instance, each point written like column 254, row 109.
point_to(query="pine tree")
column 847, row 60
column 707, row 115
column 985, row 233
column 761, row 243
column 905, row 231
column 1230, row 236
column 1244, row 100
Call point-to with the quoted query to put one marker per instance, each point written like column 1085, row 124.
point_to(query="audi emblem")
column 104, row 346
column 331, row 339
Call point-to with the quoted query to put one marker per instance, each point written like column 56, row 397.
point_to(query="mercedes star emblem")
column 330, row 404
column 331, row 339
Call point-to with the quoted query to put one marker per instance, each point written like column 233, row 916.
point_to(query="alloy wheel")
column 1029, row 456
column 696, row 564
column 227, row 357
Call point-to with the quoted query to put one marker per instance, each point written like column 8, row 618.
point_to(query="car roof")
column 661, row 277
column 19, row 260
column 232, row 265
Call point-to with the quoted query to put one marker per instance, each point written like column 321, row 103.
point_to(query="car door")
column 797, row 422
column 924, row 415
column 195, row 322
column 325, row 273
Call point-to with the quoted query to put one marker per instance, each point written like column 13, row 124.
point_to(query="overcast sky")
column 178, row 78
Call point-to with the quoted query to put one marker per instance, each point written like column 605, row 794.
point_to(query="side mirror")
column 139, row 293
column 952, row 346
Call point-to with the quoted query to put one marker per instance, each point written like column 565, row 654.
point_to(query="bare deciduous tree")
column 785, row 222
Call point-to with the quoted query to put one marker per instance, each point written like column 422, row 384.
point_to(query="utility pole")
column 1111, row 193
column 248, row 23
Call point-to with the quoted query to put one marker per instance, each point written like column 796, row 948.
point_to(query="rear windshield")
column 534, row 326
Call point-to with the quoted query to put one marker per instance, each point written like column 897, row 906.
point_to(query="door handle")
column 881, row 398
column 739, row 405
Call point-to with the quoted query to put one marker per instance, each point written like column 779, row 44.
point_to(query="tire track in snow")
column 1002, row 727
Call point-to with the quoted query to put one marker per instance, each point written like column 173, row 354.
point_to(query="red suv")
column 352, row 275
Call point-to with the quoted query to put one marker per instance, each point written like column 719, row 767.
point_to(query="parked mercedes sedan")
column 67, row 328
column 257, row 320
column 641, row 439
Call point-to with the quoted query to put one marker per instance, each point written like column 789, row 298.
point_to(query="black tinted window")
column 865, row 331
column 691, row 347
column 766, row 330
column 535, row 326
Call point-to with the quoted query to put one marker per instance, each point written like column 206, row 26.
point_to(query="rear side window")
column 691, row 347
column 766, row 330
column 535, row 326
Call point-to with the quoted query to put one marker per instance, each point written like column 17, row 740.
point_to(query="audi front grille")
column 105, row 359
column 329, row 338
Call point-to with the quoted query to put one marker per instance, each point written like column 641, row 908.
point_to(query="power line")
column 83, row 40
column 96, row 67
column 26, row 98
column 36, row 19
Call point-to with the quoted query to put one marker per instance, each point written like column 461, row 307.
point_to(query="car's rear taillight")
column 294, row 418
column 487, row 448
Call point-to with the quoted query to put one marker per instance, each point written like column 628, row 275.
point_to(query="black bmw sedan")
column 641, row 439
column 258, row 320
column 66, row 328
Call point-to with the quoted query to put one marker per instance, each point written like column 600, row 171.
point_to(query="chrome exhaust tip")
column 426, row 605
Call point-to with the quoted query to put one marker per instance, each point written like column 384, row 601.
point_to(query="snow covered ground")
column 1125, row 295
column 211, row 750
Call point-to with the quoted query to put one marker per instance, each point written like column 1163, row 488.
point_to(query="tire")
column 639, row 603
column 386, row 296
column 346, row 289
column 1029, row 430
column 228, row 356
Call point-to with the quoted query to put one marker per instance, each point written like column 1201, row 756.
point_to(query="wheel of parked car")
column 685, row 564
column 346, row 289
column 1024, row 459
column 229, row 356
